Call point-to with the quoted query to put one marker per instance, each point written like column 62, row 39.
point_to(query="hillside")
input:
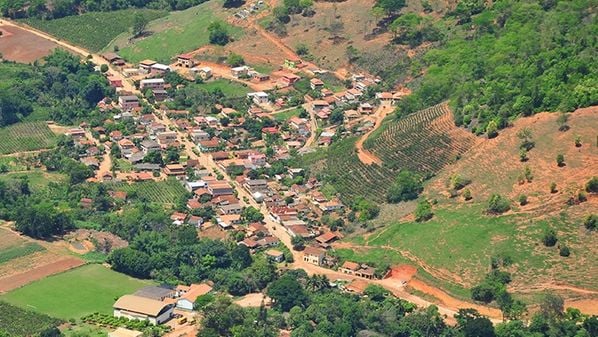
column 423, row 142
column 465, row 237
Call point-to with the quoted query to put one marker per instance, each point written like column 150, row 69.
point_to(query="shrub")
column 577, row 141
column 564, row 251
column 407, row 186
column 218, row 33
column 498, row 204
column 527, row 172
column 562, row 122
column 592, row 185
column 560, row 160
column 523, row 155
column 235, row 60
column 590, row 222
column 104, row 68
column 467, row 194
column 582, row 196
column 549, row 239
column 553, row 187
column 522, row 200
column 423, row 211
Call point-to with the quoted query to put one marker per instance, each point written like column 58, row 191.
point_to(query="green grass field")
column 26, row 136
column 38, row 179
column 166, row 192
column 176, row 33
column 93, row 30
column 228, row 88
column 75, row 293
column 14, row 252
column 283, row 116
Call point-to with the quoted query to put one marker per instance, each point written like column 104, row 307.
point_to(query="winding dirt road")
column 364, row 155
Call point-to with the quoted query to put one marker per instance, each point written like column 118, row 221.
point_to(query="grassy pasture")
column 176, row 33
column 27, row 136
column 75, row 293
column 37, row 179
column 286, row 115
column 93, row 30
column 228, row 88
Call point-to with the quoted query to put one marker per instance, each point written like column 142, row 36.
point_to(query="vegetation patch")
column 12, row 253
column 75, row 293
column 15, row 321
column 177, row 33
column 26, row 137
column 225, row 87
column 94, row 30
column 168, row 191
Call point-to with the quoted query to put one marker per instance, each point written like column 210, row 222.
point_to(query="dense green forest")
column 495, row 63
column 43, row 9
column 63, row 87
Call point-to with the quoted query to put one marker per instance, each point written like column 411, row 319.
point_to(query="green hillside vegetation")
column 176, row 33
column 62, row 87
column 75, row 293
column 94, row 30
column 27, row 136
column 513, row 58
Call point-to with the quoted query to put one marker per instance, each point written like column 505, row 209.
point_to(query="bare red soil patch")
column 19, row 280
column 19, row 45
column 402, row 272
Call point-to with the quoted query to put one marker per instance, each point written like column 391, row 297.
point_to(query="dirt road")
column 364, row 155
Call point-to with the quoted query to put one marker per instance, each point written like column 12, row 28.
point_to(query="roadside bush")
column 549, row 239
column 498, row 204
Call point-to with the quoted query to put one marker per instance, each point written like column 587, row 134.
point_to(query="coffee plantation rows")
column 423, row 142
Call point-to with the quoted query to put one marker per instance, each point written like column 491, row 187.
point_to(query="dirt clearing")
column 19, row 280
column 19, row 45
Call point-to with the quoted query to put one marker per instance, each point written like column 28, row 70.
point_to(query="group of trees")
column 309, row 306
column 496, row 63
column 407, row 186
column 62, row 84
column 61, row 8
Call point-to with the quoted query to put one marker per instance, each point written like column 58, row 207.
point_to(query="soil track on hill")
column 364, row 155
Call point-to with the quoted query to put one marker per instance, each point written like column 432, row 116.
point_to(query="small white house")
column 259, row 97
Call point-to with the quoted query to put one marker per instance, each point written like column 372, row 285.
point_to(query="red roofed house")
column 185, row 60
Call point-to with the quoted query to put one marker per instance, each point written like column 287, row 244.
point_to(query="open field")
column 286, row 115
column 38, row 179
column 465, row 237
column 72, row 294
column 22, row 46
column 24, row 260
column 15, row 321
column 93, row 30
column 9, row 253
column 228, row 88
column 176, row 33
column 26, row 137
column 154, row 191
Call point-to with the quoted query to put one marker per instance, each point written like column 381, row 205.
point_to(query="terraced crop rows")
column 165, row 192
column 26, row 137
column 351, row 178
column 423, row 142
